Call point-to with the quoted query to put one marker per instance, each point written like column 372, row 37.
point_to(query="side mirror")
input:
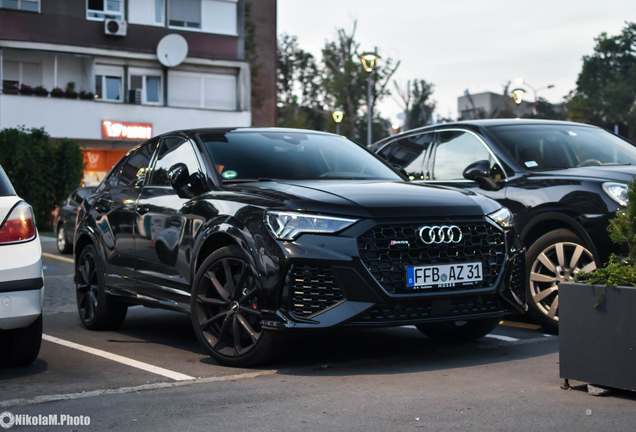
column 480, row 172
column 184, row 184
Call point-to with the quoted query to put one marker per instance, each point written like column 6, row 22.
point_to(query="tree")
column 346, row 84
column 309, row 91
column 42, row 172
column 300, row 91
column 606, row 87
column 418, row 108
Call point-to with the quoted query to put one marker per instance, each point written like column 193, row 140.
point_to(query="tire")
column 554, row 258
column 225, row 310
column 21, row 346
column 97, row 309
column 62, row 245
column 459, row 331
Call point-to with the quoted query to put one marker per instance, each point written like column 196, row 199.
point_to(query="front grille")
column 425, row 310
column 406, row 311
column 313, row 289
column 481, row 242
column 466, row 306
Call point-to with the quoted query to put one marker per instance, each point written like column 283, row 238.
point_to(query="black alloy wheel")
column 62, row 245
column 226, row 313
column 554, row 258
column 459, row 331
column 97, row 310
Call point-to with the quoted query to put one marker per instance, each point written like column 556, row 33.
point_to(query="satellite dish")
column 172, row 50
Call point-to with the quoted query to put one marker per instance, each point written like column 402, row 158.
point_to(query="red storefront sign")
column 126, row 130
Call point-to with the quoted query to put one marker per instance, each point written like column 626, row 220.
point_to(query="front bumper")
column 328, row 281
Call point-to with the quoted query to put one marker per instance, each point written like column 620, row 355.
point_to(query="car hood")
column 6, row 204
column 372, row 198
column 618, row 173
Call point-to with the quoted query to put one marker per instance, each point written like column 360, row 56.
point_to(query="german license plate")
column 443, row 275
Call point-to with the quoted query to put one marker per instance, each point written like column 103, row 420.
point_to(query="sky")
column 458, row 45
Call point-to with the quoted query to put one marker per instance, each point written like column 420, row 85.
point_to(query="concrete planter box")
column 597, row 334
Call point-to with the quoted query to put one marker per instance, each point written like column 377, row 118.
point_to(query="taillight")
column 19, row 226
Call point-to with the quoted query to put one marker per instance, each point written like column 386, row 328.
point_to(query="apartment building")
column 111, row 73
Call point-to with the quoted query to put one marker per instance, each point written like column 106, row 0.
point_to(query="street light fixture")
column 337, row 117
column 517, row 95
column 368, row 63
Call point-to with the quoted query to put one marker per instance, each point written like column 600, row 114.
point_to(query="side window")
column 386, row 150
column 133, row 172
column 455, row 151
column 172, row 151
column 409, row 153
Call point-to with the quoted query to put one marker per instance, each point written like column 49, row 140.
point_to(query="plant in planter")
column 10, row 88
column 70, row 92
column 26, row 89
column 597, row 319
column 84, row 95
column 40, row 91
column 57, row 92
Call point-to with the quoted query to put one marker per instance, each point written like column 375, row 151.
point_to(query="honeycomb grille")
column 313, row 289
column 423, row 310
column 481, row 242
column 465, row 306
column 518, row 279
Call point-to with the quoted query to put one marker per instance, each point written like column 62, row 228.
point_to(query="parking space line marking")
column 120, row 359
column 502, row 338
column 48, row 255
column 125, row 390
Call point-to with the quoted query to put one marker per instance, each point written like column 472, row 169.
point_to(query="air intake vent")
column 313, row 289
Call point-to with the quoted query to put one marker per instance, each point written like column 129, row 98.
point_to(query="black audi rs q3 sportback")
column 260, row 232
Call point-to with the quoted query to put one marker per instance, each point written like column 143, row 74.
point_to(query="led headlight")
column 502, row 217
column 289, row 225
column 617, row 192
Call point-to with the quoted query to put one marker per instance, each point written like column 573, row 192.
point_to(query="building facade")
column 111, row 73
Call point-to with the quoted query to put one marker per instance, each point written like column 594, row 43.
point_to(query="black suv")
column 563, row 181
column 259, row 232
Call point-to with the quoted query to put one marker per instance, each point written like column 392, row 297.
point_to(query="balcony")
column 82, row 120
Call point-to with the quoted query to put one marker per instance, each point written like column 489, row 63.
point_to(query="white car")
column 21, row 279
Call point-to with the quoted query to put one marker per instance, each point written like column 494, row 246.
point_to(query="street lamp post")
column 534, row 91
column 337, row 117
column 368, row 63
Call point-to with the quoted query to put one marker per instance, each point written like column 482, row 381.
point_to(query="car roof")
column 246, row 130
column 484, row 123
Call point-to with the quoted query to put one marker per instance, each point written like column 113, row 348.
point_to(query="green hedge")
column 43, row 172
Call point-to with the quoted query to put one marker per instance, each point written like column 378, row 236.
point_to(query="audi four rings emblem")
column 440, row 234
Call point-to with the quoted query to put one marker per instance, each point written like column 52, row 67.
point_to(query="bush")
column 622, row 230
column 43, row 172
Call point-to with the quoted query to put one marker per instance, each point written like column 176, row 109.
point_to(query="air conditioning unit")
column 115, row 27
column 134, row 96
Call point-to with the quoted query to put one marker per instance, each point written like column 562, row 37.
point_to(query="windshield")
column 540, row 147
column 291, row 156
column 5, row 185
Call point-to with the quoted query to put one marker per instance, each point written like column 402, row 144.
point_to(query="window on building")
column 146, row 82
column 210, row 16
column 198, row 90
column 108, row 83
column 18, row 72
column 26, row 5
column 101, row 9
column 146, row 12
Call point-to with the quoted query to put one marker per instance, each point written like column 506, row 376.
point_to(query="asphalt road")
column 151, row 375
